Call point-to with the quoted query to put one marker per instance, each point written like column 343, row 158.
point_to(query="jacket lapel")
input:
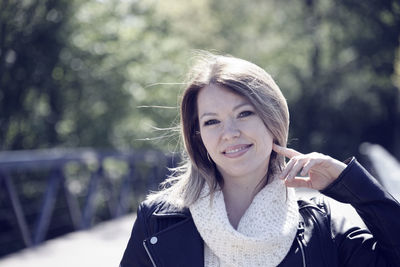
column 180, row 244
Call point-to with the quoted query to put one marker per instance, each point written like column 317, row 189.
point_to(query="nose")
column 230, row 130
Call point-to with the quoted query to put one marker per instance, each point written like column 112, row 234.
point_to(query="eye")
column 245, row 113
column 210, row 122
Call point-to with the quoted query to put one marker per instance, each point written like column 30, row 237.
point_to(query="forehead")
column 216, row 97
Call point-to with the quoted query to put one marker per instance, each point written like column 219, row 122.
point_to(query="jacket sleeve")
column 379, row 245
column 135, row 254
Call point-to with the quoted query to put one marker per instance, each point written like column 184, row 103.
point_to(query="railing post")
column 89, row 206
column 49, row 200
column 125, row 191
column 17, row 209
column 73, row 207
column 111, row 195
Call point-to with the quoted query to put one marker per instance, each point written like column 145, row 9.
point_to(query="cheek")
column 208, row 140
column 267, row 142
column 261, row 133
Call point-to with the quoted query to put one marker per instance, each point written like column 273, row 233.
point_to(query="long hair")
column 245, row 79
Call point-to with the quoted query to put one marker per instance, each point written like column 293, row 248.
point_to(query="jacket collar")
column 165, row 209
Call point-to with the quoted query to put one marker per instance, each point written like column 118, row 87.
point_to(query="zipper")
column 299, row 238
column 148, row 253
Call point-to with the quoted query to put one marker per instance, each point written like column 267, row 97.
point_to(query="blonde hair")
column 244, row 78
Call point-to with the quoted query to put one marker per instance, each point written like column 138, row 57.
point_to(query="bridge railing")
column 45, row 193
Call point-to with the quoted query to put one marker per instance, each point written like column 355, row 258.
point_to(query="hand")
column 321, row 170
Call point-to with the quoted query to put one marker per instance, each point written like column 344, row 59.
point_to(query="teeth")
column 235, row 150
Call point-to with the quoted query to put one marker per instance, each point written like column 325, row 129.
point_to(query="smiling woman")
column 238, row 142
column 232, row 202
column 233, row 134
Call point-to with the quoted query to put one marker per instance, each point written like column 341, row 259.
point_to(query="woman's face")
column 234, row 135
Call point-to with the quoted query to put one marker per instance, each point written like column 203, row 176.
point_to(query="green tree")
column 111, row 60
column 31, row 37
column 74, row 73
column 348, row 96
column 333, row 60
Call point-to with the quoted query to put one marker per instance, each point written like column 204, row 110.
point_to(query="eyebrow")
column 235, row 108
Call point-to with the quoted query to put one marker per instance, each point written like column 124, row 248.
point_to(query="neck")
column 238, row 195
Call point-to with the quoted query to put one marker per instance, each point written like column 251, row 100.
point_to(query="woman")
column 232, row 203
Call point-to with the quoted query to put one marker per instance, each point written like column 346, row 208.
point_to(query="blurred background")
column 86, row 87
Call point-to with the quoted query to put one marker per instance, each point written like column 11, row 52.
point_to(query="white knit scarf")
column 265, row 232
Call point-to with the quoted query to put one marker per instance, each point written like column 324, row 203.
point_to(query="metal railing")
column 119, row 179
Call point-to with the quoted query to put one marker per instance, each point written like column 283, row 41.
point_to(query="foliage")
column 87, row 73
column 31, row 39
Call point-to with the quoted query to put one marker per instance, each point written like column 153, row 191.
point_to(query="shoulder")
column 330, row 213
column 318, row 204
column 156, row 215
column 326, row 206
column 315, row 212
column 147, row 207
column 158, row 207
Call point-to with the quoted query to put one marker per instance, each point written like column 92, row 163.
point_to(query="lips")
column 236, row 151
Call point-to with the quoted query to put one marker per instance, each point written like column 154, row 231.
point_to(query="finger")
column 287, row 169
column 296, row 168
column 287, row 152
column 299, row 182
column 307, row 167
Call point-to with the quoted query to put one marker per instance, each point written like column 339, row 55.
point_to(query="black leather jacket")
column 164, row 235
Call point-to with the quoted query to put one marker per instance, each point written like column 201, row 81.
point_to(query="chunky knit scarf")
column 265, row 232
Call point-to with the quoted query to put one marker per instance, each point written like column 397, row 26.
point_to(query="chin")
column 237, row 171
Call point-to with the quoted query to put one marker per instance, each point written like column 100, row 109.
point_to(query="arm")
column 379, row 211
column 135, row 254
column 379, row 245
